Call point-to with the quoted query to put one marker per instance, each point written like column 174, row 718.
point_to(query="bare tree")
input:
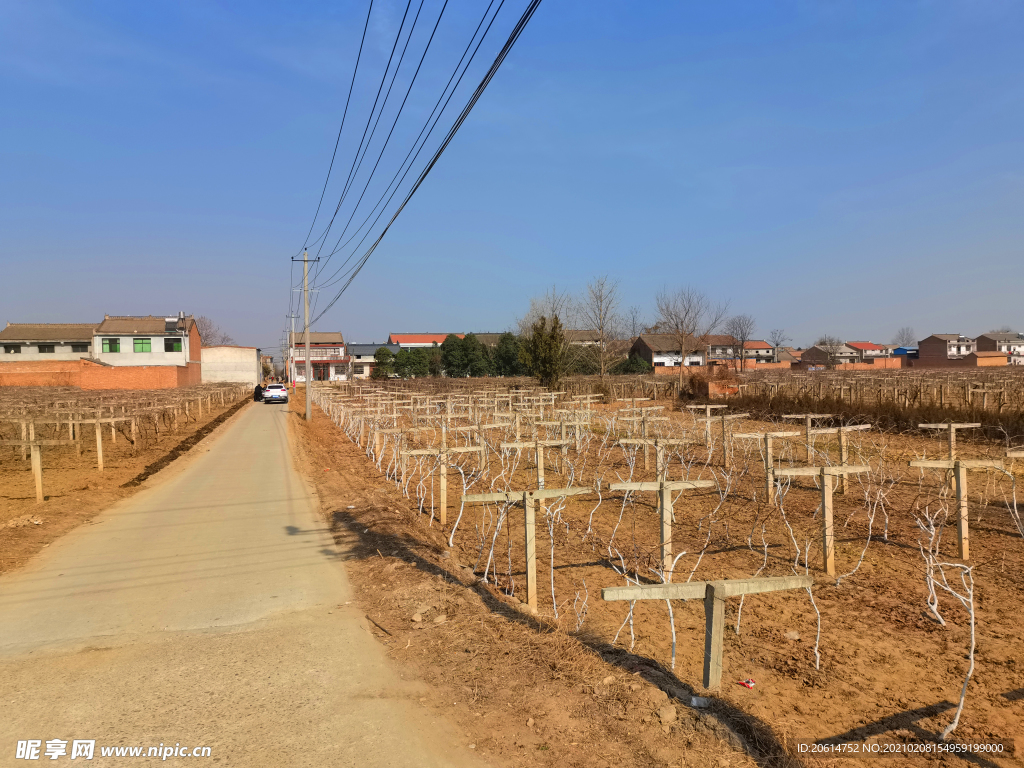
column 778, row 338
column 599, row 310
column 905, row 337
column 830, row 345
column 741, row 328
column 634, row 322
column 211, row 333
column 689, row 317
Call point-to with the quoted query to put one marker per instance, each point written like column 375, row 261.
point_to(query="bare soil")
column 74, row 490
column 531, row 693
column 888, row 671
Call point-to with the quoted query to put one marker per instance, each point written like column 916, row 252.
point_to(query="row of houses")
column 331, row 359
column 938, row 350
column 121, row 352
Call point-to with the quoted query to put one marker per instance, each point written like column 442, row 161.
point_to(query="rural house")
column 327, row 355
column 46, row 341
column 832, row 355
column 867, row 351
column 661, row 350
column 362, row 358
column 944, row 346
column 1010, row 343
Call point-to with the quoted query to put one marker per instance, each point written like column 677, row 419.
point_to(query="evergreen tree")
column 542, row 351
column 506, row 356
column 453, row 357
column 384, row 359
column 476, row 356
column 632, row 364
column 434, row 365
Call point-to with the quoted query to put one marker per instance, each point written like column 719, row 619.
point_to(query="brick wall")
column 195, row 345
column 89, row 375
column 971, row 361
column 190, row 375
column 43, row 373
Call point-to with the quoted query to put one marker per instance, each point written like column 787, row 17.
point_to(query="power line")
column 499, row 59
column 428, row 128
column 344, row 114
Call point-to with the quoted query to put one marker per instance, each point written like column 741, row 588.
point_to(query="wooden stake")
column 714, row 634
column 530, row 505
column 99, row 446
column 962, row 528
column 37, row 471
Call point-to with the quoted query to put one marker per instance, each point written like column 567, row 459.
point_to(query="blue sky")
column 827, row 167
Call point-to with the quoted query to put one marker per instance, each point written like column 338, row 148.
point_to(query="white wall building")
column 148, row 340
column 232, row 364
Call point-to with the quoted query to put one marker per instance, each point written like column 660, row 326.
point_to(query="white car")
column 275, row 393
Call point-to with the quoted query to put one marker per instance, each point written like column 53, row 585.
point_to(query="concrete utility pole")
column 305, row 302
column 309, row 367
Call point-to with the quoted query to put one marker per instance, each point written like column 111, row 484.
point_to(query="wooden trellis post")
column 664, row 490
column 538, row 446
column 707, row 408
column 443, row 452
column 825, row 475
column 959, row 468
column 809, row 419
column 769, row 460
column 951, row 431
column 35, row 452
column 644, row 418
column 844, row 448
column 724, row 420
column 714, row 594
column 660, row 444
column 529, row 501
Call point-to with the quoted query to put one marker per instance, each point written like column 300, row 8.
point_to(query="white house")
column 147, row 340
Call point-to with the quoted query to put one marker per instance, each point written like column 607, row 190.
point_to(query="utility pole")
column 305, row 302
column 309, row 367
column 290, row 359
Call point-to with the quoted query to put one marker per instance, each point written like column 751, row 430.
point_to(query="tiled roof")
column 48, row 332
column 721, row 340
column 148, row 324
column 420, row 338
column 660, row 342
column 318, row 337
column 582, row 336
column 360, row 350
column 865, row 346
column 757, row 344
column 995, row 336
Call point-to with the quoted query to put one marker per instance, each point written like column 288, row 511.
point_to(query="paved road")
column 204, row 611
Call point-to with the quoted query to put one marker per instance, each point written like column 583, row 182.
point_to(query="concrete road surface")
column 207, row 611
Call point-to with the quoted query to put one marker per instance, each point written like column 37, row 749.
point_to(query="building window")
column 79, row 347
column 143, row 345
column 46, row 349
column 12, row 349
column 358, row 370
column 111, row 345
column 172, row 345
